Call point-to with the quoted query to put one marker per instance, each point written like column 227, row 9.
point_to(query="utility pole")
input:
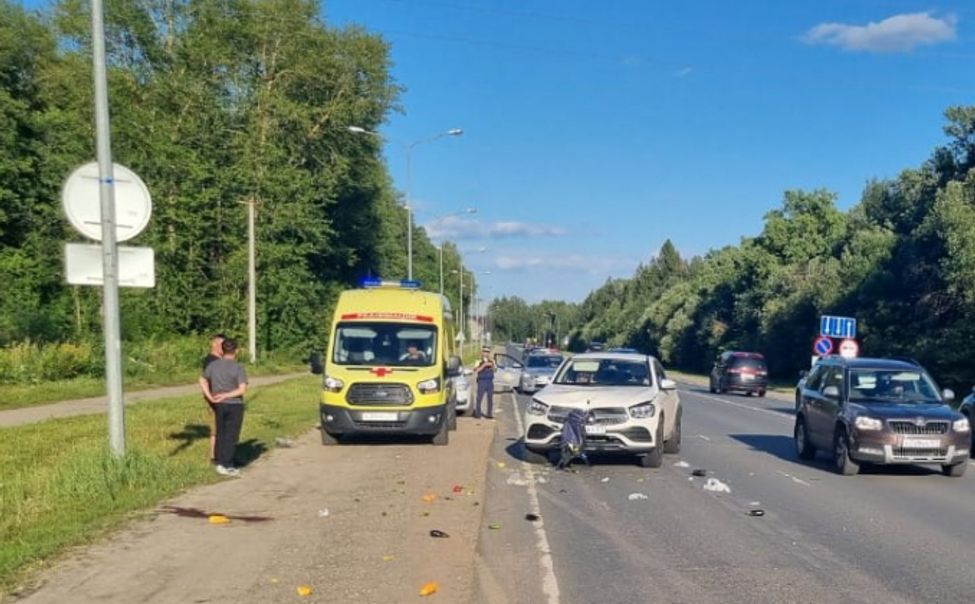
column 106, row 190
column 251, row 283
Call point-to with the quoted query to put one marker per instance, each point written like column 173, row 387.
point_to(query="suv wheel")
column 841, row 455
column 955, row 470
column 711, row 388
column 761, row 394
column 672, row 446
column 804, row 449
column 655, row 458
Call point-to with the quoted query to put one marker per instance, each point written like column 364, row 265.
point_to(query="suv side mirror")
column 831, row 392
column 668, row 384
column 453, row 366
column 948, row 395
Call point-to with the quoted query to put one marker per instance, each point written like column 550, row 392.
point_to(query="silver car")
column 538, row 371
column 464, row 392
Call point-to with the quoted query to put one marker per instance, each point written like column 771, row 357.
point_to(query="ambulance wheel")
column 442, row 437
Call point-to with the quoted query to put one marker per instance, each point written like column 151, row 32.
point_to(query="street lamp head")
column 455, row 132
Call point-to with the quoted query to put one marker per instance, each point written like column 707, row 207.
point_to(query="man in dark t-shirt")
column 224, row 383
column 215, row 353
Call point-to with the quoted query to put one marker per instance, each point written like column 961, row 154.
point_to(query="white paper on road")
column 716, row 486
column 637, row 496
column 517, row 480
column 682, row 464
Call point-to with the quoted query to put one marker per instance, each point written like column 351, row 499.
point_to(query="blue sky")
column 594, row 131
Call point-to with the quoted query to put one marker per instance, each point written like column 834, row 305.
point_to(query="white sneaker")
column 224, row 471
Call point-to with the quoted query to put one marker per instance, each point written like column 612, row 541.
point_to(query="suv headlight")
column 333, row 384
column 643, row 411
column 868, row 423
column 961, row 425
column 429, row 386
column 537, row 407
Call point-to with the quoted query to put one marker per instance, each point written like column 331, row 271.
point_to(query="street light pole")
column 440, row 247
column 409, row 184
column 251, row 282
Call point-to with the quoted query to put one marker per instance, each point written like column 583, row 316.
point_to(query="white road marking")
column 749, row 407
column 550, row 585
column 702, row 437
column 794, row 479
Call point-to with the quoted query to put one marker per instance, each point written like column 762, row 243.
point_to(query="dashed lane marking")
column 550, row 585
column 775, row 414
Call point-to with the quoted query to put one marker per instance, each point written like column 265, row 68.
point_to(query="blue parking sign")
column 837, row 327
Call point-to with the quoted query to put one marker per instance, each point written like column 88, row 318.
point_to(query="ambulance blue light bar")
column 401, row 284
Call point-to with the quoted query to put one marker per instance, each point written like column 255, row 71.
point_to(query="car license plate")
column 595, row 430
column 379, row 417
column 921, row 443
column 747, row 377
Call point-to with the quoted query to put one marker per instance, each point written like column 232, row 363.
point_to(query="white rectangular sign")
column 83, row 265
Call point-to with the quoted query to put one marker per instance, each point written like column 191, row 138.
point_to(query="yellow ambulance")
column 390, row 364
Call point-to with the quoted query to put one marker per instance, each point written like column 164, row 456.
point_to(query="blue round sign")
column 823, row 346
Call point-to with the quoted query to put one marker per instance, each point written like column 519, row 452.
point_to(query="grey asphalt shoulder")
column 98, row 404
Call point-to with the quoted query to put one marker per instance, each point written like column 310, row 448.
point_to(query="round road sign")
column 81, row 199
column 823, row 346
column 849, row 348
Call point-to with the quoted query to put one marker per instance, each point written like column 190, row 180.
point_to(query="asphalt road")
column 891, row 535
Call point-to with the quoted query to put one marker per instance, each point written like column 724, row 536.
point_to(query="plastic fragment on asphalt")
column 218, row 519
column 517, row 480
column 637, row 497
column 305, row 590
column 756, row 512
column 700, row 472
column 502, row 465
column 716, row 486
column 388, row 558
column 605, row 479
column 274, row 579
column 754, row 503
column 323, row 513
column 429, row 498
column 494, row 526
column 438, row 534
column 682, row 464
column 429, row 589
column 532, row 517
column 458, row 489
column 283, row 442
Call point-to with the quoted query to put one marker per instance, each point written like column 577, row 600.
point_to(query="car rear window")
column 748, row 363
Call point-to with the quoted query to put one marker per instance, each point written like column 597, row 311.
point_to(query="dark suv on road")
column 739, row 371
column 879, row 411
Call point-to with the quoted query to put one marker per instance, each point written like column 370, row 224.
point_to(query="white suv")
column 632, row 407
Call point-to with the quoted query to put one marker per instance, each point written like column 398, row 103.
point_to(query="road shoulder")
column 351, row 522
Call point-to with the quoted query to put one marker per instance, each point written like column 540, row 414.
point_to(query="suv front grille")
column 373, row 394
column 605, row 416
column 936, row 454
column 909, row 427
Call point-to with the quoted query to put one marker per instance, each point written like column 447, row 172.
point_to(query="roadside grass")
column 60, row 488
column 15, row 396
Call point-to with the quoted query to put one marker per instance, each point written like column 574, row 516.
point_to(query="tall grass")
column 59, row 486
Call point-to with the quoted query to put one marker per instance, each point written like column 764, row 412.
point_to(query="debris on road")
column 388, row 558
column 532, row 517
column 605, row 479
column 458, row 488
column 682, row 464
column 305, row 590
column 716, row 486
column 541, row 480
column 756, row 512
column 494, row 526
column 284, row 442
column 517, row 480
column 429, row 589
column 700, row 472
column 218, row 519
column 439, row 534
column 323, row 513
column 429, row 498
column 637, row 497
column 502, row 465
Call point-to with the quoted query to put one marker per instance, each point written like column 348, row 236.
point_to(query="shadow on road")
column 190, row 434
column 200, row 514
column 249, row 451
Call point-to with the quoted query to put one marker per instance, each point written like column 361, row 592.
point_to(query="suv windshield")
column 386, row 344
column 892, row 386
column 604, row 372
column 546, row 361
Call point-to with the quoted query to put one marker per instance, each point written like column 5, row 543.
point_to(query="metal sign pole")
column 110, row 301
column 251, row 284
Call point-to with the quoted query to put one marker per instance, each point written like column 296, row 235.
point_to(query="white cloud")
column 900, row 33
column 597, row 265
column 457, row 228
